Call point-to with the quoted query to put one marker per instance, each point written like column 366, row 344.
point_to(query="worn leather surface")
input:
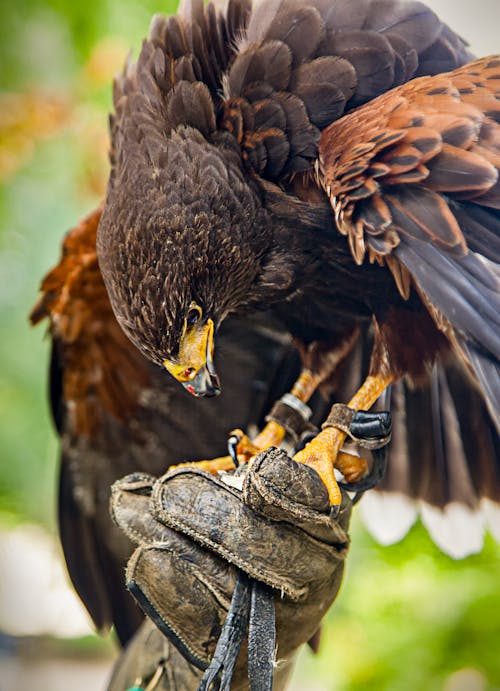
column 140, row 661
column 194, row 532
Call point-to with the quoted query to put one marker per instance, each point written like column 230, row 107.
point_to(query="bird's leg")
column 291, row 413
column 274, row 433
column 322, row 453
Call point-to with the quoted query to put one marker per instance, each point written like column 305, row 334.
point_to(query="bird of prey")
column 325, row 170
column 333, row 162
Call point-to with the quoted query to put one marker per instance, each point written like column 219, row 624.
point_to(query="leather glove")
column 196, row 533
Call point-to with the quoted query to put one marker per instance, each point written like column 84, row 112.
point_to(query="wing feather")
column 433, row 207
column 340, row 55
column 481, row 229
column 488, row 374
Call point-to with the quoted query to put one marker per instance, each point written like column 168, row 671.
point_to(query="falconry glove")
column 209, row 546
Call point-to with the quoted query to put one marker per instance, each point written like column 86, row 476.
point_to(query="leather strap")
column 230, row 639
column 252, row 604
column 261, row 638
column 368, row 429
column 292, row 414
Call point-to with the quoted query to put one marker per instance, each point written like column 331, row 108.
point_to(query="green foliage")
column 46, row 41
column 408, row 617
column 33, row 224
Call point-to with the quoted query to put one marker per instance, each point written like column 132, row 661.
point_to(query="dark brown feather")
column 457, row 460
column 117, row 414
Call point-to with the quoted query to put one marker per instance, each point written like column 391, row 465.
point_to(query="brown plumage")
column 223, row 168
column 117, row 414
column 307, row 159
column 404, row 172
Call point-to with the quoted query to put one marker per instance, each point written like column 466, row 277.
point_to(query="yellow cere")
column 196, row 343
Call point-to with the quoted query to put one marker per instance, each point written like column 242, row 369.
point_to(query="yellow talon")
column 212, row 466
column 321, row 454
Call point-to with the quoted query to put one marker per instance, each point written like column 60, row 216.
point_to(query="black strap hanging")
column 261, row 638
column 230, row 639
column 252, row 605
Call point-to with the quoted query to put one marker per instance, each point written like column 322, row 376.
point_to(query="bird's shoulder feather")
column 273, row 75
column 413, row 180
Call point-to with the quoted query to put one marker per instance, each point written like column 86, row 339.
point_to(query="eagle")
column 334, row 163
column 324, row 171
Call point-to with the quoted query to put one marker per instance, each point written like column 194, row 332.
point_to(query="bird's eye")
column 193, row 316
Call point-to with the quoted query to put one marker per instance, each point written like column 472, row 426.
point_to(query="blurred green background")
column 408, row 616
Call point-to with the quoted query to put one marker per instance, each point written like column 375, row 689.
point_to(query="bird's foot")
column 354, row 468
column 241, row 450
column 323, row 452
column 373, row 431
column 245, row 447
column 271, row 435
column 322, row 455
column 290, row 414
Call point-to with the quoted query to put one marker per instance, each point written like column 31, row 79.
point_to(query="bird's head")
column 183, row 242
column 192, row 360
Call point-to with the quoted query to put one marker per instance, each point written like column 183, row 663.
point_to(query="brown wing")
column 301, row 65
column 117, row 414
column 272, row 76
column 413, row 181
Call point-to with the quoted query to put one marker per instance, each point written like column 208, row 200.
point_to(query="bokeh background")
column 408, row 617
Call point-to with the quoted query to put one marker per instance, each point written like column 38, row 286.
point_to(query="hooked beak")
column 205, row 383
column 196, row 372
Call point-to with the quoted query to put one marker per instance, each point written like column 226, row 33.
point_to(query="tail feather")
column 457, row 530
column 388, row 516
column 444, row 463
column 487, row 372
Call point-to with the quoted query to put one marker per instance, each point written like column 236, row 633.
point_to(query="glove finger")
column 283, row 490
column 129, row 508
column 179, row 589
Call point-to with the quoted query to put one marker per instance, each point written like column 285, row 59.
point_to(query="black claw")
column 232, row 444
column 334, row 511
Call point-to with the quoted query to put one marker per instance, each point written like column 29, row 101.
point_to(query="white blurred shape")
column 457, row 530
column 19, row 674
column 35, row 596
column 387, row 516
column 491, row 512
column 466, row 679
